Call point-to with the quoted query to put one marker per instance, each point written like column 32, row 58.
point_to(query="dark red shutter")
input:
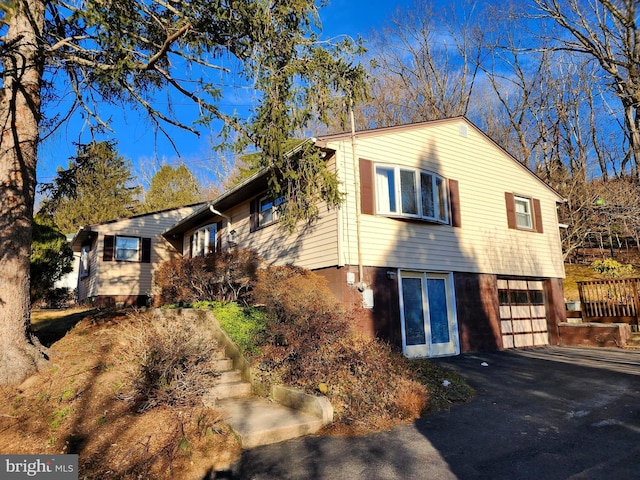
column 511, row 210
column 366, row 187
column 454, row 203
column 146, row 251
column 537, row 215
column 109, row 245
column 253, row 215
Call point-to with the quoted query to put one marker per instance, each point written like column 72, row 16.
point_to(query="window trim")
column 528, row 214
column 138, row 249
column 273, row 209
column 439, row 194
column 202, row 237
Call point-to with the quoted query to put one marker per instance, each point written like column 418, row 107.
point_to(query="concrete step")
column 229, row 376
column 220, row 354
column 256, row 421
column 223, row 364
column 633, row 342
column 226, row 390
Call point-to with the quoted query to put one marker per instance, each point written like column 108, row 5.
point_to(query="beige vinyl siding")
column 311, row 246
column 484, row 244
column 132, row 278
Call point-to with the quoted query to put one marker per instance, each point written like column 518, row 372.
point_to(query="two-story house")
column 445, row 242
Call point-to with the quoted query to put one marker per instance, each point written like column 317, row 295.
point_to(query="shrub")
column 611, row 268
column 310, row 343
column 224, row 276
column 173, row 362
column 56, row 298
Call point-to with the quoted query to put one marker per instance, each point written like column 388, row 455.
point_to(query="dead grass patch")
column 73, row 407
column 575, row 273
column 170, row 362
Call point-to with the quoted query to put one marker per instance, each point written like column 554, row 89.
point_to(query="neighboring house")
column 118, row 258
column 70, row 280
column 445, row 241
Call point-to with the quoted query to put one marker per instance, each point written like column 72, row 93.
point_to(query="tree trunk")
column 20, row 352
column 633, row 131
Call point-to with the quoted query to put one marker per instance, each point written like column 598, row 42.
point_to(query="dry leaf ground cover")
column 123, row 389
column 77, row 405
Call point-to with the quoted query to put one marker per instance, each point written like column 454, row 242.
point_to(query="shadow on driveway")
column 550, row 413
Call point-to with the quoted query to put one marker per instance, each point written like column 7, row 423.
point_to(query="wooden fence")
column 610, row 301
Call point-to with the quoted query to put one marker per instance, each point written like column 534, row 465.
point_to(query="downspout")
column 340, row 216
column 227, row 218
column 356, row 173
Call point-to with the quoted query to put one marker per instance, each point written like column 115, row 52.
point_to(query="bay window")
column 203, row 240
column 411, row 192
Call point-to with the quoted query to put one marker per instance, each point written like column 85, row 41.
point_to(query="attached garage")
column 523, row 313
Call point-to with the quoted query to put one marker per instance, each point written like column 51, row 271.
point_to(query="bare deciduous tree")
column 425, row 68
column 607, row 31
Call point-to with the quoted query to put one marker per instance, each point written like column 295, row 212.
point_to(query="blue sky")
column 135, row 137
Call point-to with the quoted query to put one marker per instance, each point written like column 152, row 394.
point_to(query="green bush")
column 612, row 268
column 244, row 325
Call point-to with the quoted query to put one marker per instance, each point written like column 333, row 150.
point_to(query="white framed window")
column 523, row 212
column 127, row 249
column 411, row 192
column 83, row 270
column 203, row 240
column 268, row 210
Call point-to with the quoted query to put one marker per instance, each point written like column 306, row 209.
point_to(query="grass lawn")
column 50, row 325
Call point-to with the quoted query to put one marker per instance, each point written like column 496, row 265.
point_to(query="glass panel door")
column 442, row 323
column 413, row 308
column 429, row 324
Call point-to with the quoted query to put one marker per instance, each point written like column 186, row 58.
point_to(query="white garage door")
column 523, row 315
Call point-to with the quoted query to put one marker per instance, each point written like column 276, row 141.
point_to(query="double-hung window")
column 127, row 249
column 123, row 248
column 523, row 212
column 84, row 261
column 411, row 192
column 268, row 210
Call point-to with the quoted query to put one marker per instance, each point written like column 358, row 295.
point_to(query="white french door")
column 427, row 312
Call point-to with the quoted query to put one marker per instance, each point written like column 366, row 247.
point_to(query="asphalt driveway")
column 551, row 413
